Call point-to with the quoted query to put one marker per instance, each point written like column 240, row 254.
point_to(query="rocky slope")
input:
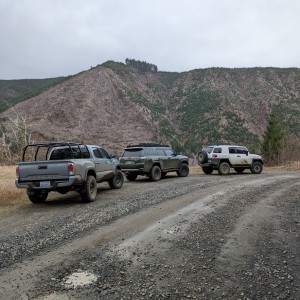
column 114, row 105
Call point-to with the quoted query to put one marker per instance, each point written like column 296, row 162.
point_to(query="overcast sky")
column 50, row 38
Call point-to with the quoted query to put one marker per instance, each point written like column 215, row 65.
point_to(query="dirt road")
column 199, row 237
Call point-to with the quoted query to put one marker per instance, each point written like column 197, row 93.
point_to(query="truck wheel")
column 89, row 193
column 224, row 168
column 155, row 174
column 257, row 168
column 131, row 177
column 183, row 170
column 202, row 157
column 207, row 170
column 117, row 181
column 36, row 196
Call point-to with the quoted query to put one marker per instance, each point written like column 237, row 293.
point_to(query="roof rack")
column 148, row 144
column 50, row 145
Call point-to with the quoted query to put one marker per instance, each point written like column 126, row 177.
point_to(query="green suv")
column 152, row 160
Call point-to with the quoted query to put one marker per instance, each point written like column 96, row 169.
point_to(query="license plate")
column 45, row 184
column 129, row 162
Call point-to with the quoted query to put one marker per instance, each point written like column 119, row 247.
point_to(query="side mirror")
column 112, row 156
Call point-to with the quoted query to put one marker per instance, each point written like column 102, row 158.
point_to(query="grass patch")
column 10, row 195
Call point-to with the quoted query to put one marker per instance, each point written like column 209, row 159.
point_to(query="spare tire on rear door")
column 202, row 157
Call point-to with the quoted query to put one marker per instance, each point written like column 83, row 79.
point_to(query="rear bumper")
column 54, row 184
column 214, row 163
column 134, row 171
column 139, row 169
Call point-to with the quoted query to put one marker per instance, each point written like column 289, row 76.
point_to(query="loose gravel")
column 237, row 237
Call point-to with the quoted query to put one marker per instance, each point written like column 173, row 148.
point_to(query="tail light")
column 214, row 155
column 17, row 172
column 71, row 168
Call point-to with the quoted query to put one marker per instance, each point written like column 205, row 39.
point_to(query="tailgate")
column 43, row 170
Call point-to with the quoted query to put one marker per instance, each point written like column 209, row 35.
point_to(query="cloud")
column 48, row 38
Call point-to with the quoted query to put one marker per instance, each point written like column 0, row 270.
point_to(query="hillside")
column 114, row 105
column 15, row 91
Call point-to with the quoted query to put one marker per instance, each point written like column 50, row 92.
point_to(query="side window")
column 104, row 153
column 160, row 152
column 217, row 150
column 241, row 150
column 149, row 151
column 232, row 150
column 169, row 152
column 97, row 153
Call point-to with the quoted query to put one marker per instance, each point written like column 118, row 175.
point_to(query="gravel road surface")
column 199, row 237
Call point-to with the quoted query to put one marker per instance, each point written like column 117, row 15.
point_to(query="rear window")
column 207, row 149
column 135, row 152
column 69, row 153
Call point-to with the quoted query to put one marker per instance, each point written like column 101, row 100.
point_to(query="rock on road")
column 199, row 237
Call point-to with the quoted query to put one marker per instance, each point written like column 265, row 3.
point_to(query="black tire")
column 183, row 170
column 37, row 196
column 207, row 170
column 131, row 177
column 117, row 181
column 155, row 174
column 256, row 168
column 239, row 170
column 202, row 157
column 89, row 193
column 224, row 168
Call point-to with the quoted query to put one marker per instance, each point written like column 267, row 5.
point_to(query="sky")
column 51, row 38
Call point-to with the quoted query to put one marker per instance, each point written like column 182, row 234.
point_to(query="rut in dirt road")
column 204, row 237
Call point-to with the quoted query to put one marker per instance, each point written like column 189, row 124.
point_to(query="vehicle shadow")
column 146, row 179
column 71, row 198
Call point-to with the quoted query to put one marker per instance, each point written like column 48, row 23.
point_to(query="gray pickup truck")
column 64, row 166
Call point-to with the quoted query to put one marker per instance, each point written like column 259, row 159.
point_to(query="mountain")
column 115, row 104
column 15, row 91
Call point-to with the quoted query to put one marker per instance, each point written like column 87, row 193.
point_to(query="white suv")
column 224, row 157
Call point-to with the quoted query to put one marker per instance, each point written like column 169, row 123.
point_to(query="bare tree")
column 14, row 135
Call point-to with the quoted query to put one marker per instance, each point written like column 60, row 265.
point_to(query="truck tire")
column 131, row 177
column 89, row 192
column 256, row 168
column 183, row 170
column 224, row 168
column 117, row 181
column 155, row 174
column 37, row 196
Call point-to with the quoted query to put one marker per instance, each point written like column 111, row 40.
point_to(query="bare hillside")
column 114, row 104
column 86, row 108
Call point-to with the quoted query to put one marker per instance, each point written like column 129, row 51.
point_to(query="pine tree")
column 274, row 137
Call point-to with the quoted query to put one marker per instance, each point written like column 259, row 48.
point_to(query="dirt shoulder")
column 200, row 237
